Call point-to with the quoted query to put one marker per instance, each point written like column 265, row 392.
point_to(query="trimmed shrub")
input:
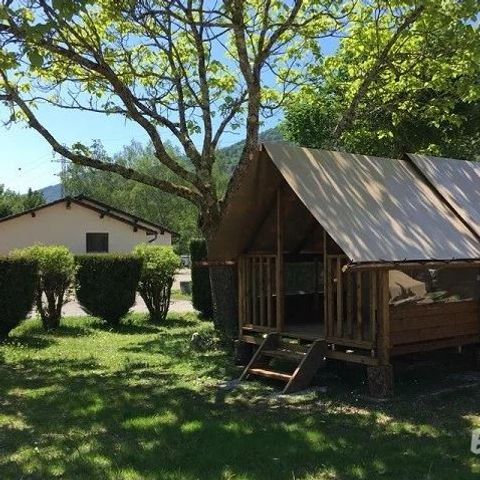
column 18, row 281
column 201, row 291
column 159, row 266
column 106, row 284
column 56, row 269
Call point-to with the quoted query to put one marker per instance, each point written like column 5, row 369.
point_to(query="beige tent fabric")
column 458, row 181
column 400, row 282
column 374, row 208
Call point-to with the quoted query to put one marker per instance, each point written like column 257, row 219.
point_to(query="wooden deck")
column 306, row 331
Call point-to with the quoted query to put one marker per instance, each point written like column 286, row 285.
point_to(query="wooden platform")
column 306, row 331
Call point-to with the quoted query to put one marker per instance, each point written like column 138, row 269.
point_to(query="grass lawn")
column 138, row 403
column 178, row 295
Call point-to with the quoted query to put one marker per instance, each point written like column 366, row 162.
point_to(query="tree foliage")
column 420, row 93
column 138, row 199
column 12, row 202
column 184, row 69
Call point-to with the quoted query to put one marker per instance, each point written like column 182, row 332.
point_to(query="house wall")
column 57, row 225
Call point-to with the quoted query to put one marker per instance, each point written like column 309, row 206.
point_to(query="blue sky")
column 27, row 161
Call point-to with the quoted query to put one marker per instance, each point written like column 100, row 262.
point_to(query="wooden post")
column 254, row 292
column 349, row 332
column 373, row 304
column 325, row 285
column 262, row 292
column 383, row 332
column 241, row 295
column 380, row 378
column 330, row 312
column 339, row 323
column 269, row 292
column 359, row 327
column 279, row 260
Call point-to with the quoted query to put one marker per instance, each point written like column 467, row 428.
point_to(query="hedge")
column 18, row 281
column 201, row 290
column 159, row 266
column 56, row 269
column 106, row 284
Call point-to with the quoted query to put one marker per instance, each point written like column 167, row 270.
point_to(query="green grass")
column 137, row 403
column 178, row 295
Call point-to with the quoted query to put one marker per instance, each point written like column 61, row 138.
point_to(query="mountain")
column 227, row 156
column 52, row 192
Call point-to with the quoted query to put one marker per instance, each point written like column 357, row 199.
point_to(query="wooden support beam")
column 329, row 300
column 254, row 292
column 241, row 294
column 325, row 283
column 349, row 282
column 269, row 292
column 359, row 326
column 383, row 333
column 261, row 290
column 373, row 304
column 419, row 265
column 248, row 293
column 214, row 263
column 280, row 263
column 339, row 326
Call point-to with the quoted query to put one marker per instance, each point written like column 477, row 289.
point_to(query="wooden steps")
column 284, row 354
column 270, row 374
column 305, row 360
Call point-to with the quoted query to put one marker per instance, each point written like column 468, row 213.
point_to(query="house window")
column 97, row 242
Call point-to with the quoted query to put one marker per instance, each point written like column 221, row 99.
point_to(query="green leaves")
column 35, row 58
column 424, row 90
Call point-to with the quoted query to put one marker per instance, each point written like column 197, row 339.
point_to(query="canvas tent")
column 457, row 182
column 345, row 220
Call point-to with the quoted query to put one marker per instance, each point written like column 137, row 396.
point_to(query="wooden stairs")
column 305, row 359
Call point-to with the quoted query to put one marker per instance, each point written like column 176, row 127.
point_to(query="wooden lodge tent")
column 351, row 257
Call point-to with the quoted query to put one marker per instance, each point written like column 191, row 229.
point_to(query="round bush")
column 159, row 266
column 106, row 284
column 56, row 269
column 18, row 280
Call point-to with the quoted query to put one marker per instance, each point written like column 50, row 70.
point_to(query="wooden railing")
column 257, row 290
column 351, row 303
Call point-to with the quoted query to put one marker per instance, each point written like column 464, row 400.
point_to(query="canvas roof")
column 457, row 181
column 376, row 209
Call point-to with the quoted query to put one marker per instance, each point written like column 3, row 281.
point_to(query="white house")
column 83, row 225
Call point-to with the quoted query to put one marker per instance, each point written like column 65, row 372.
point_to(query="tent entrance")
column 304, row 294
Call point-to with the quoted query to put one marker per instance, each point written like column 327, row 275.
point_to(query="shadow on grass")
column 77, row 419
column 58, row 421
column 30, row 342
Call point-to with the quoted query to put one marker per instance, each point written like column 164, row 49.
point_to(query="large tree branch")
column 350, row 114
column 100, row 67
column 86, row 161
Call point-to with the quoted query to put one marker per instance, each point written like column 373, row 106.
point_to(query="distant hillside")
column 52, row 192
column 228, row 158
